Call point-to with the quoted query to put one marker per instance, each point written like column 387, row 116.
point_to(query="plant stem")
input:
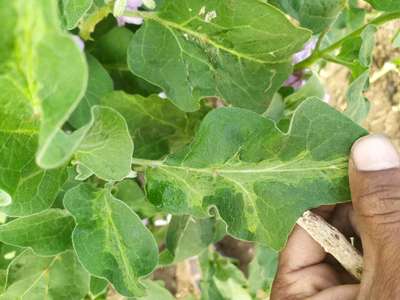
column 333, row 242
column 318, row 54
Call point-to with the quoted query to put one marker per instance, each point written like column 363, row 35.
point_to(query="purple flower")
column 131, row 5
column 296, row 80
column 79, row 42
column 306, row 52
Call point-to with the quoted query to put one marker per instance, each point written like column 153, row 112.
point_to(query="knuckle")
column 380, row 207
column 281, row 288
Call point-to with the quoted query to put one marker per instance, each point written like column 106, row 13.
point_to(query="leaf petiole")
column 318, row 54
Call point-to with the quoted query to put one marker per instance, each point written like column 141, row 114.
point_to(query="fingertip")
column 374, row 152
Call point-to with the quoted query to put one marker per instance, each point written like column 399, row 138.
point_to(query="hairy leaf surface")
column 110, row 239
column 237, row 50
column 259, row 178
column 47, row 233
column 32, row 277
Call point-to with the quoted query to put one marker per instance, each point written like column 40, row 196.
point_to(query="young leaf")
column 386, row 5
column 74, row 11
column 316, row 15
column 236, row 50
column 357, row 104
column 110, row 240
column 46, row 233
column 99, row 84
column 34, row 277
column 107, row 148
column 187, row 237
column 259, row 178
column 156, row 126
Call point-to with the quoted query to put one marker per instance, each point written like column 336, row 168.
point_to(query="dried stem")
column 333, row 242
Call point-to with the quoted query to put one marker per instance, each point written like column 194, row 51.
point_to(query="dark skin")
column 306, row 272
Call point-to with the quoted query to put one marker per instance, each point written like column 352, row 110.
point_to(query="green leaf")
column 74, row 11
column 187, row 237
column 357, row 104
column 237, row 50
column 396, row 40
column 107, row 148
column 98, row 11
column 356, row 52
column 156, row 126
column 386, row 5
column 367, row 45
column 98, row 286
column 155, row 291
column 8, row 17
column 110, row 240
column 44, row 80
column 312, row 88
column 130, row 192
column 99, row 84
column 275, row 109
column 316, row 15
column 7, row 254
column 221, row 279
column 24, row 187
column 259, row 178
column 46, row 233
column 32, row 277
column 111, row 50
column 262, row 269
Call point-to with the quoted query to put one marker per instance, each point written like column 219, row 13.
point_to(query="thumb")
column 374, row 173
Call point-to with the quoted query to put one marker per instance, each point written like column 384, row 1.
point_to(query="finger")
column 342, row 292
column 375, row 187
column 301, row 251
column 343, row 219
column 374, row 173
column 304, row 283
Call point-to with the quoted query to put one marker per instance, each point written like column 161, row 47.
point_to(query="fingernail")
column 375, row 152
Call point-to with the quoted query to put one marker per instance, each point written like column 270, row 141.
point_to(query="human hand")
column 305, row 271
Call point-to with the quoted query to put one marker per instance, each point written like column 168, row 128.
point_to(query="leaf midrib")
column 338, row 164
column 120, row 246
